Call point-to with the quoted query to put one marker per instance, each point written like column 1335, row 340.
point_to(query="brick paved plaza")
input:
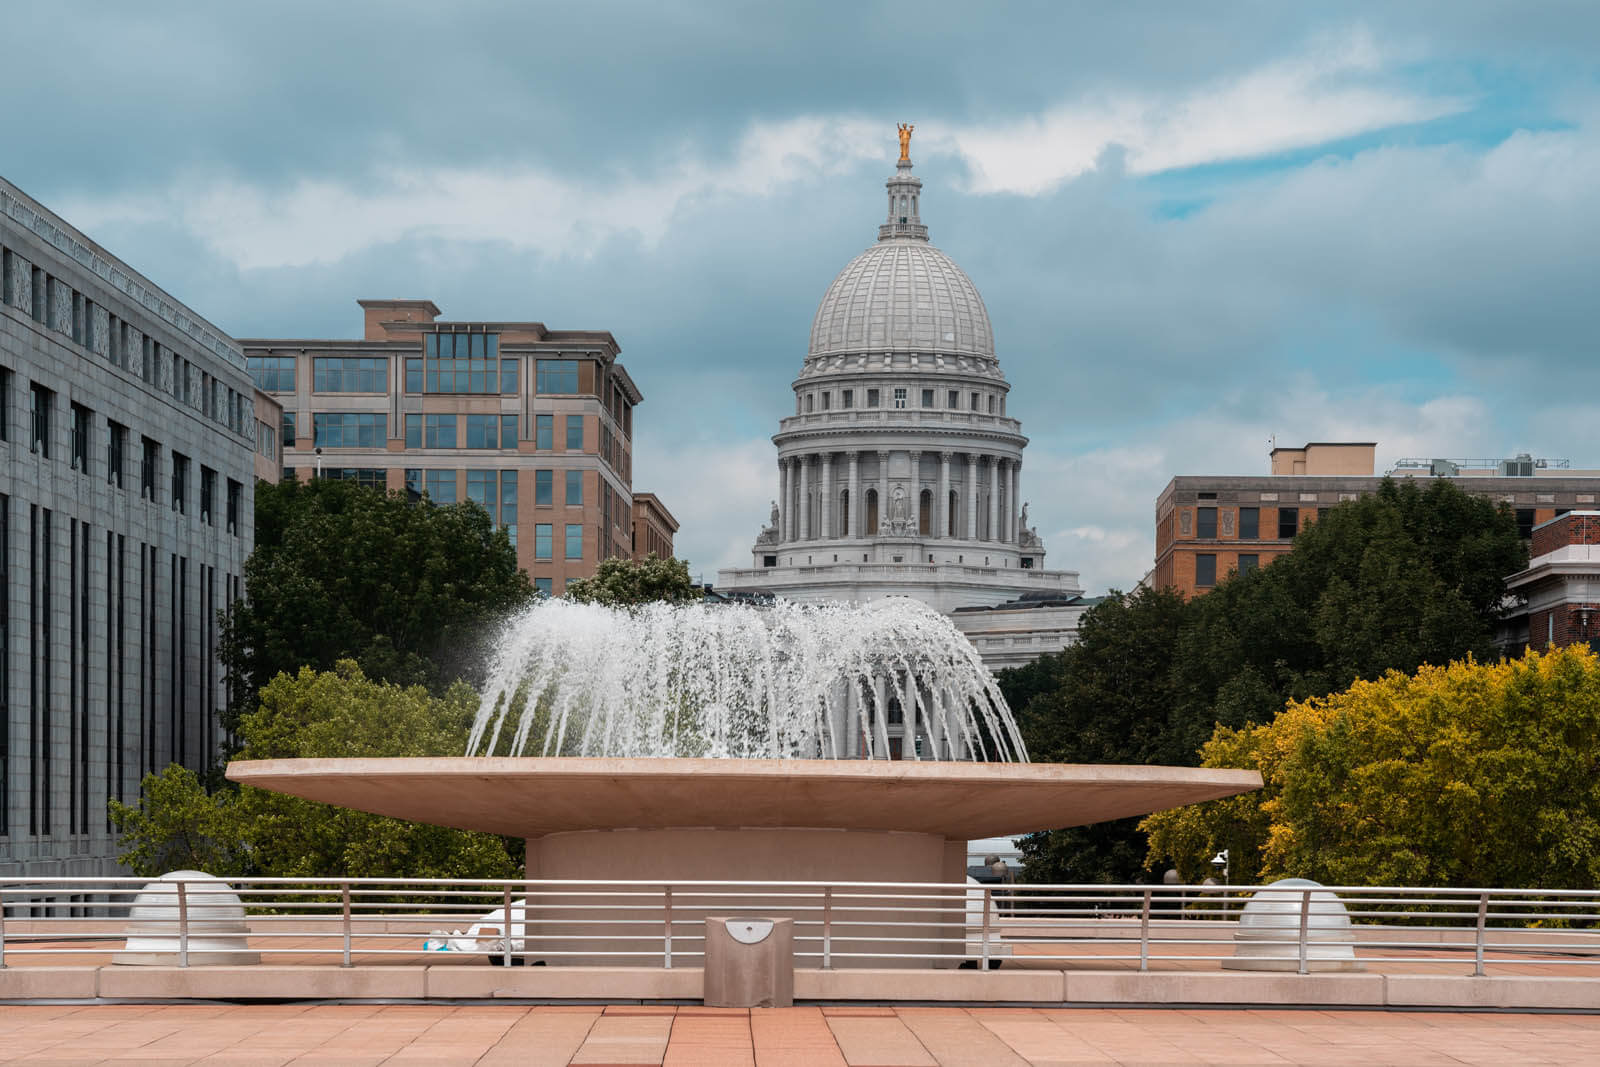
column 333, row 1034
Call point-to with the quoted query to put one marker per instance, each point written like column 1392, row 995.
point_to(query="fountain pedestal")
column 686, row 820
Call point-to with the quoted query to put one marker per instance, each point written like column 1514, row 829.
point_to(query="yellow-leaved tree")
column 1470, row 774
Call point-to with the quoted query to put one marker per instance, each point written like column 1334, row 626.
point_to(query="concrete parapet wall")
column 1020, row 985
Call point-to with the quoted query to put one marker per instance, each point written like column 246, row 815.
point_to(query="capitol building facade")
column 900, row 471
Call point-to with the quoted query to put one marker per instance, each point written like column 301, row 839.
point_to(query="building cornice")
column 76, row 246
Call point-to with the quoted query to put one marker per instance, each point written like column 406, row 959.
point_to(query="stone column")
column 827, row 495
column 1016, row 497
column 785, row 512
column 943, row 510
column 972, row 496
column 994, row 499
column 914, row 494
column 883, row 490
column 804, row 533
column 857, row 505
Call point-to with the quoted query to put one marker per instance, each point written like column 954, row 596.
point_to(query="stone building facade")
column 534, row 424
column 128, row 456
column 900, row 471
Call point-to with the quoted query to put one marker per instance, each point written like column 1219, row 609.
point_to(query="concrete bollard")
column 749, row 962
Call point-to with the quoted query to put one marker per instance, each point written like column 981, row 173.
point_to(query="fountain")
column 788, row 681
column 777, row 744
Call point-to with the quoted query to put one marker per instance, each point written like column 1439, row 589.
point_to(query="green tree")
column 338, row 713
column 1103, row 700
column 1468, row 774
column 341, row 571
column 628, row 582
column 1407, row 576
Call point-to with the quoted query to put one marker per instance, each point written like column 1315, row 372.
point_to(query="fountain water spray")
column 784, row 681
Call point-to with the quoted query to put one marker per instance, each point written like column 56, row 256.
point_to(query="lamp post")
column 1220, row 862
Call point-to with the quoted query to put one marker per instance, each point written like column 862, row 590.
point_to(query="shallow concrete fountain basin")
column 606, row 819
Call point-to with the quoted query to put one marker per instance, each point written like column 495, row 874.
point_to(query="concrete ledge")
column 868, row 985
column 566, row 983
column 1212, row 987
column 262, row 982
column 1510, row 991
column 47, row 983
column 888, row 985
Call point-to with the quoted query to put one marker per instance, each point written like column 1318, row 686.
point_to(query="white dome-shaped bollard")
column 212, row 913
column 1268, row 936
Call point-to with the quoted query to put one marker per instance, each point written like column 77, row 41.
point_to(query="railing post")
column 344, row 900
column 505, row 927
column 183, row 926
column 666, row 937
column 827, row 928
column 1483, row 919
column 1305, row 924
column 984, row 966
column 1144, row 933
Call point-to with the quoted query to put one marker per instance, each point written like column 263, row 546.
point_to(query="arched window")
column 872, row 512
column 925, row 512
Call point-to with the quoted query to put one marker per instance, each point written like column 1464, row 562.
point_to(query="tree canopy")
column 626, row 582
column 338, row 713
column 406, row 589
column 1466, row 774
column 1404, row 577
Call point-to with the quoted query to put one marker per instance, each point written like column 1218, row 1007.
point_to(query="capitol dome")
column 902, row 294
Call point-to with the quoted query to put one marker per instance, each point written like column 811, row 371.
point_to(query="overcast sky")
column 1195, row 225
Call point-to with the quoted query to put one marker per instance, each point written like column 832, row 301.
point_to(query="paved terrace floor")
column 331, row 1034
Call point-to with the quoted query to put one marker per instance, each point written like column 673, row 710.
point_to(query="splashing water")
column 786, row 681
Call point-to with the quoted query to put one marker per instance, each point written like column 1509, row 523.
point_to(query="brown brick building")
column 1210, row 525
column 535, row 425
column 1561, row 585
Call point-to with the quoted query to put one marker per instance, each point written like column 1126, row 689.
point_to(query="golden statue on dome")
column 905, row 142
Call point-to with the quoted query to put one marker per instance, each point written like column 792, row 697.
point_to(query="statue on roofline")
column 905, row 141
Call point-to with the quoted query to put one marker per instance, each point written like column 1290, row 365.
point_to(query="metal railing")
column 353, row 922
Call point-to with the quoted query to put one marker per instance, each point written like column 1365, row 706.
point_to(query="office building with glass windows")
column 534, row 425
column 129, row 448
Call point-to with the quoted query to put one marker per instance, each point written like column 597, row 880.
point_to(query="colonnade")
column 835, row 479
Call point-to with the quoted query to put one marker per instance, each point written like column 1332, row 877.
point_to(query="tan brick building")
column 1210, row 525
column 535, row 425
column 653, row 527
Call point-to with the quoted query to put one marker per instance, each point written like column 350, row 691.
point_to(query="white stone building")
column 900, row 470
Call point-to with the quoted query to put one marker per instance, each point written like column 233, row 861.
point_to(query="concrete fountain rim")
column 530, row 796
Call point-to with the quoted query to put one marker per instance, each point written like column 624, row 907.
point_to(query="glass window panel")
column 542, row 586
column 491, row 342
column 413, row 375
column 349, row 429
column 413, row 431
column 542, row 540
column 475, row 345
column 542, row 481
column 508, row 431
column 544, row 430
column 442, row 486
column 558, row 376
column 430, row 345
column 574, row 489
column 414, row 482
column 575, row 432
column 574, row 540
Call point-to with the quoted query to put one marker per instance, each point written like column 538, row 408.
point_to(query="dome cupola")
column 902, row 294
